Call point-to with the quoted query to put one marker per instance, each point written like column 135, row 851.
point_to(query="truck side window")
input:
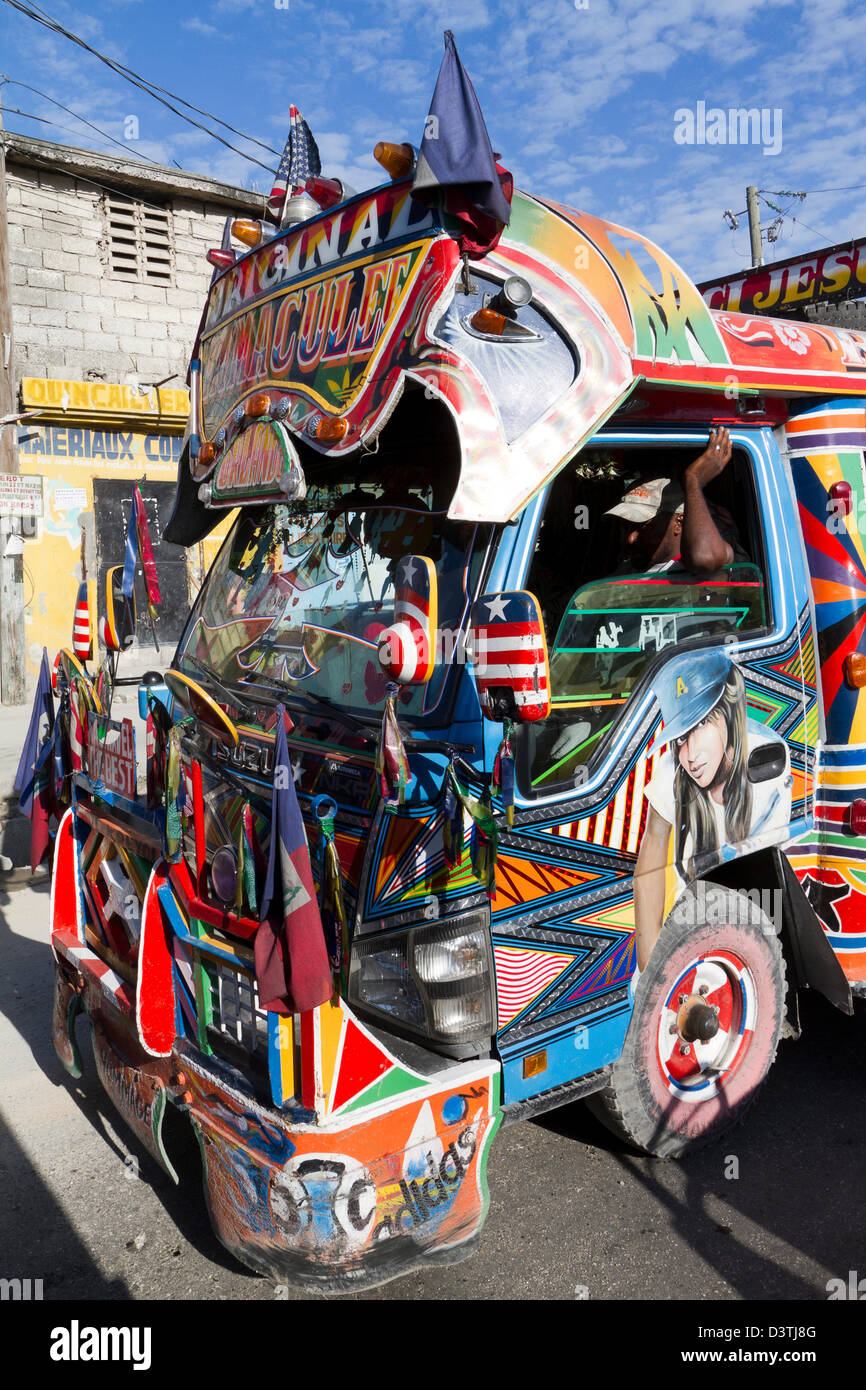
column 607, row 622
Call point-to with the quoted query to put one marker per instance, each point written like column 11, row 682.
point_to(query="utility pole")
column 754, row 225
column 11, row 566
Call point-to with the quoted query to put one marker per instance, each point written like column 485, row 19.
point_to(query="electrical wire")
column 13, row 111
column 816, row 230
column 121, row 193
column 13, row 82
column 852, row 188
column 150, row 89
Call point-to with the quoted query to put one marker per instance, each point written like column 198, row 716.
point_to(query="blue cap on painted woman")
column 688, row 688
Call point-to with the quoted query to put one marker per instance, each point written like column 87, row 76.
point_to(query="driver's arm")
column 703, row 548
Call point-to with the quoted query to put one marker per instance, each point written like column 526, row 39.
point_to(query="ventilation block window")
column 139, row 240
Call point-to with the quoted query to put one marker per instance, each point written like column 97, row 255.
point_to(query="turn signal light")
column 257, row 405
column 206, row 454
column 246, row 230
column 854, row 667
column 330, row 431
column 327, row 192
column 221, row 259
column 857, row 816
column 397, row 160
column 488, row 321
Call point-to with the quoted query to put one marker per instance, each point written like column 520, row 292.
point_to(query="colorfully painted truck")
column 572, row 827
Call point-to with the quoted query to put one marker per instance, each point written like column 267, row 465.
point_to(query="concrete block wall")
column 72, row 318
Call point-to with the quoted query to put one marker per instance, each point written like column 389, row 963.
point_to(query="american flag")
column 300, row 162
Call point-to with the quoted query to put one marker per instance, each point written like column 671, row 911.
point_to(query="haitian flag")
column 292, row 970
column 456, row 162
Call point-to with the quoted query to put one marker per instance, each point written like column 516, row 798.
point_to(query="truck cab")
column 576, row 825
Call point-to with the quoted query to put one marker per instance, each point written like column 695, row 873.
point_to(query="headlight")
column 434, row 980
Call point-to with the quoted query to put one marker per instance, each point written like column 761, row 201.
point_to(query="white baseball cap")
column 648, row 499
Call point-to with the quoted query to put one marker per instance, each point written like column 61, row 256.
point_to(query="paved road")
column 570, row 1209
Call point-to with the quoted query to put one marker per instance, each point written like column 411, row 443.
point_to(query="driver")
column 666, row 526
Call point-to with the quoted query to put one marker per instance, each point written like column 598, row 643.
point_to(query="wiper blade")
column 228, row 695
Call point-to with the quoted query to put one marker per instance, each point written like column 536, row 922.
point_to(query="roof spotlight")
column 515, row 294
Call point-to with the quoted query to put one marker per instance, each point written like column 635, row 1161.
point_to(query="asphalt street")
column 573, row 1216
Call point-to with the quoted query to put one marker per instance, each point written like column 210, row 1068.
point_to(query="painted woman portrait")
column 700, row 793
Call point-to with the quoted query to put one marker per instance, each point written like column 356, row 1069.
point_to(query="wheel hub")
column 705, row 1025
column 697, row 1021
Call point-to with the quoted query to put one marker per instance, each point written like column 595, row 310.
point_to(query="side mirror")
column 118, row 628
column 766, row 762
column 407, row 649
column 509, row 654
column 82, row 626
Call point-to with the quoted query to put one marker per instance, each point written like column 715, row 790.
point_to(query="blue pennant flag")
column 456, row 154
column 130, row 559
column 43, row 708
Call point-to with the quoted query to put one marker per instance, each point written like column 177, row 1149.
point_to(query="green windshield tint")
column 609, row 634
column 612, row 630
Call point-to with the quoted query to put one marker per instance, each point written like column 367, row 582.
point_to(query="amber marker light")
column 397, row 160
column 534, row 1064
column 854, row 667
column 206, row 454
column 488, row 321
column 221, row 260
column 331, row 431
column 257, row 405
column 246, row 230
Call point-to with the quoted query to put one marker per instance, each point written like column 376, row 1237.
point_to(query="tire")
column 665, row 1102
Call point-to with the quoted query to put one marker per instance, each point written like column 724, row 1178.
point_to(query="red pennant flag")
column 145, row 552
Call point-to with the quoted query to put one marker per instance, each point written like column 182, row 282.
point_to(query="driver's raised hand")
column 713, row 460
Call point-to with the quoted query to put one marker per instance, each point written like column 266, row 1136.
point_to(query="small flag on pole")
column 456, row 163
column 138, row 545
column 292, row 969
column 145, row 550
column 130, row 559
column 300, row 162
column 43, row 709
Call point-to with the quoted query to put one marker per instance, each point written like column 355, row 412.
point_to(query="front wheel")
column 707, row 1019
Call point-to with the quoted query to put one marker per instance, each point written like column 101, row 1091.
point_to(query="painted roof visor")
column 334, row 317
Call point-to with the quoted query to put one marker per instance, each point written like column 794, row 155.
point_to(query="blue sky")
column 579, row 95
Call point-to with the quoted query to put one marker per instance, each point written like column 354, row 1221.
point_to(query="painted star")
column 496, row 606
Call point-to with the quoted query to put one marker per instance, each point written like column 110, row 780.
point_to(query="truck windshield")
column 297, row 599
